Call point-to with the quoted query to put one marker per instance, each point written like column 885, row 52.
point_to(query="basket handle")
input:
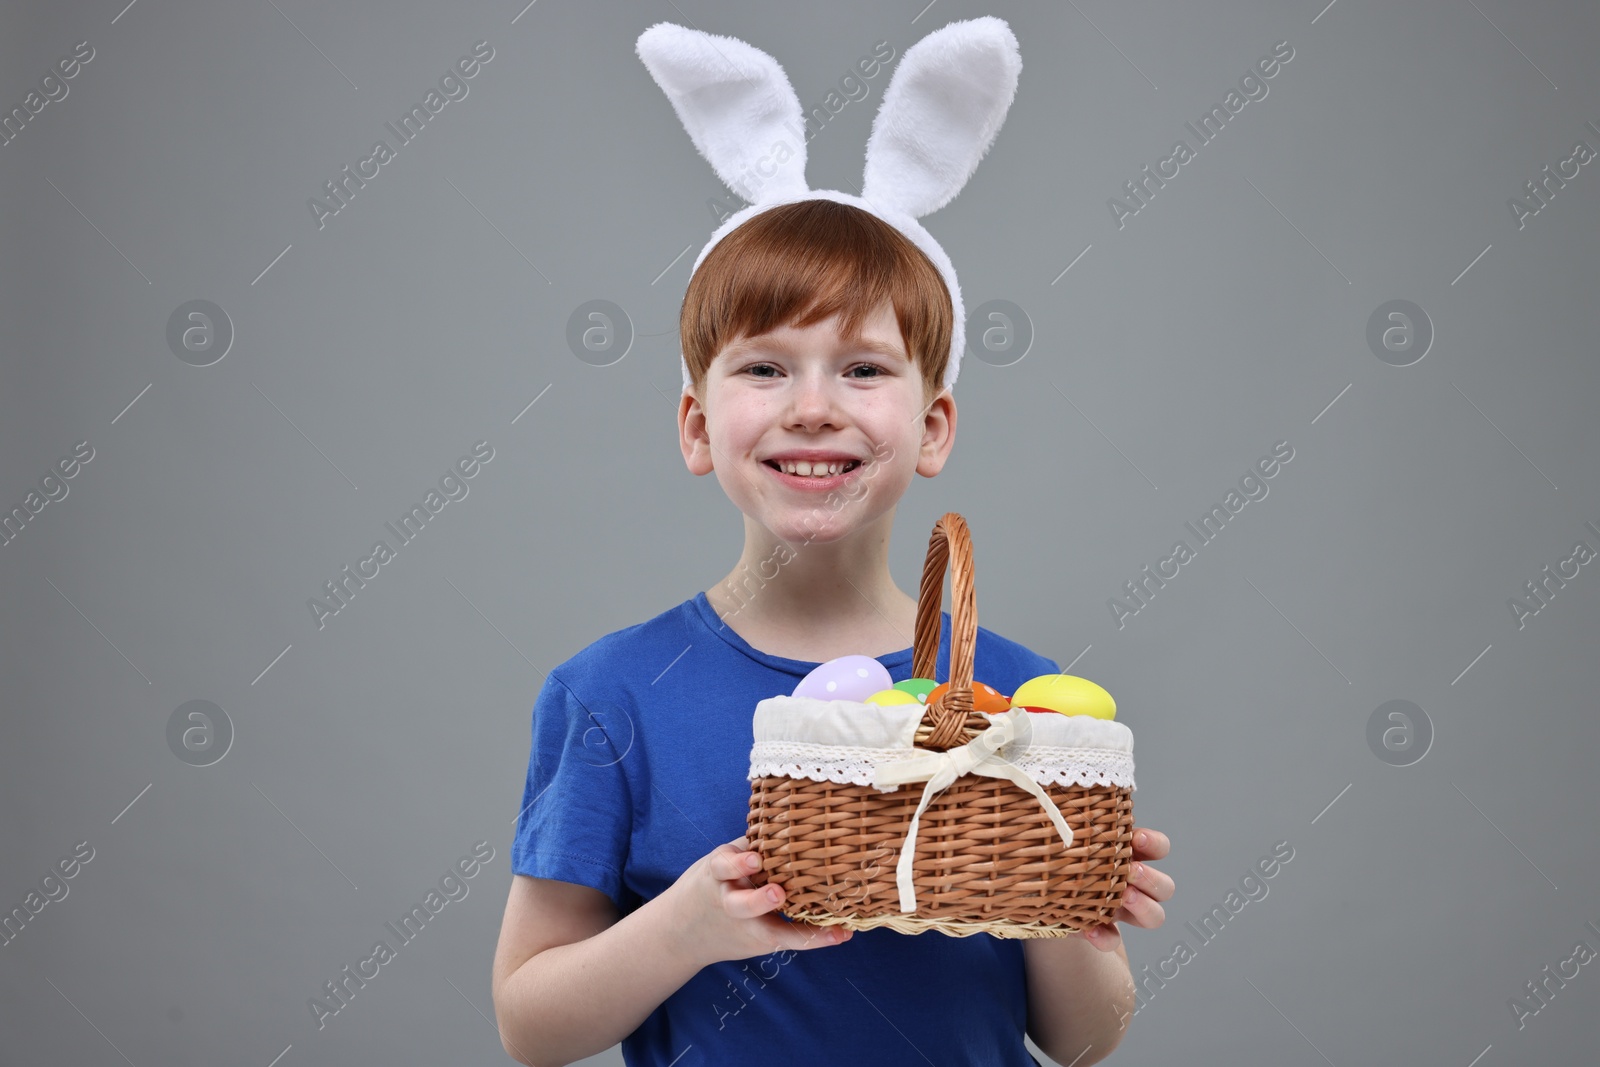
column 950, row 542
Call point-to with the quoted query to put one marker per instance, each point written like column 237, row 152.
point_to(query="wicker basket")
column 988, row 856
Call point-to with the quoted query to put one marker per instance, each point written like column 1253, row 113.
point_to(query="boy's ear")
column 938, row 434
column 692, row 435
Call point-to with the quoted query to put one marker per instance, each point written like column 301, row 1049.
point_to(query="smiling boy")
column 814, row 338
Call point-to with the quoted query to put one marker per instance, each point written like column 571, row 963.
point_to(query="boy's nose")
column 812, row 401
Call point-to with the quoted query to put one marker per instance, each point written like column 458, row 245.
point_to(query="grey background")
column 1228, row 315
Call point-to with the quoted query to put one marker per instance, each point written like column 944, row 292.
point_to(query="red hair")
column 799, row 263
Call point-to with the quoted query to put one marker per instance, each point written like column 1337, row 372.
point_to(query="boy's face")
column 808, row 394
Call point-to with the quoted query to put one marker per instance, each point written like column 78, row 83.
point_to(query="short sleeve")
column 577, row 809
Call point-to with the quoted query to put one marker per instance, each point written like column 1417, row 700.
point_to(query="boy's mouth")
column 820, row 470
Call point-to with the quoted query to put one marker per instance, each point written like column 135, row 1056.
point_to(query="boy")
column 816, row 337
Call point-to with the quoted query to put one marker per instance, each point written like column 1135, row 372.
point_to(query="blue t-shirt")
column 619, row 799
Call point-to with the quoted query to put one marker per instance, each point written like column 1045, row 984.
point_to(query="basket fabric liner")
column 845, row 741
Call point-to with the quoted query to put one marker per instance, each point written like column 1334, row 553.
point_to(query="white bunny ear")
column 943, row 107
column 736, row 104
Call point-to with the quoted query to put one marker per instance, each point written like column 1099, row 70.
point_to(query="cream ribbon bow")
column 940, row 769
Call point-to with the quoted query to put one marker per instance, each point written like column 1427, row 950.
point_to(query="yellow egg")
column 1066, row 693
column 892, row 696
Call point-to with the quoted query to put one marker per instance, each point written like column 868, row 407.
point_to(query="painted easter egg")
column 845, row 678
column 889, row 697
column 917, row 687
column 1064, row 693
column 984, row 697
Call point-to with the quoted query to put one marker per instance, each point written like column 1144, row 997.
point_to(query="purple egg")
column 845, row 678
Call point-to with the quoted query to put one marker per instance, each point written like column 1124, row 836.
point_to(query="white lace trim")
column 821, row 763
column 1077, row 766
column 848, row 764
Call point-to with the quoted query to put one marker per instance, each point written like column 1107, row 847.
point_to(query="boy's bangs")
column 799, row 264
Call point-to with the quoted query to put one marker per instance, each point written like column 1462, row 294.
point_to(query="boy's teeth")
column 811, row 470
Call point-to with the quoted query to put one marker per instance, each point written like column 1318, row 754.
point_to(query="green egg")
column 917, row 687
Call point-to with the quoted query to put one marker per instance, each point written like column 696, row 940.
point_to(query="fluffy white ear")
column 737, row 105
column 943, row 107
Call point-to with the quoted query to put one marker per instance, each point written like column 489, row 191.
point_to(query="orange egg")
column 985, row 698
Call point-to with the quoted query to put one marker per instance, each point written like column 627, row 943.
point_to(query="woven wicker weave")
column 988, row 859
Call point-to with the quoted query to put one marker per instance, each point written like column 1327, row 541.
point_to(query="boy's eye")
column 759, row 369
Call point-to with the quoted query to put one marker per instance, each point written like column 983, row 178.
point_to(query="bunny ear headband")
column 940, row 113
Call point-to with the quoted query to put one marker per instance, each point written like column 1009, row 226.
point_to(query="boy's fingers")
column 1142, row 909
column 1155, row 884
column 808, row 936
column 730, row 864
column 1105, row 938
column 749, row 903
column 1150, row 844
column 801, row 936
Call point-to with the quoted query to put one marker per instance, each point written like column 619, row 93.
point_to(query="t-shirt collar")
column 797, row 667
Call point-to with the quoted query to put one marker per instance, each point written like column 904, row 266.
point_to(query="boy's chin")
column 808, row 528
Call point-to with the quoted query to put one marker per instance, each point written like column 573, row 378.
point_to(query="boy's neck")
column 815, row 601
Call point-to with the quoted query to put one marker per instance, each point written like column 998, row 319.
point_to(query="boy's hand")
column 1146, row 886
column 722, row 916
